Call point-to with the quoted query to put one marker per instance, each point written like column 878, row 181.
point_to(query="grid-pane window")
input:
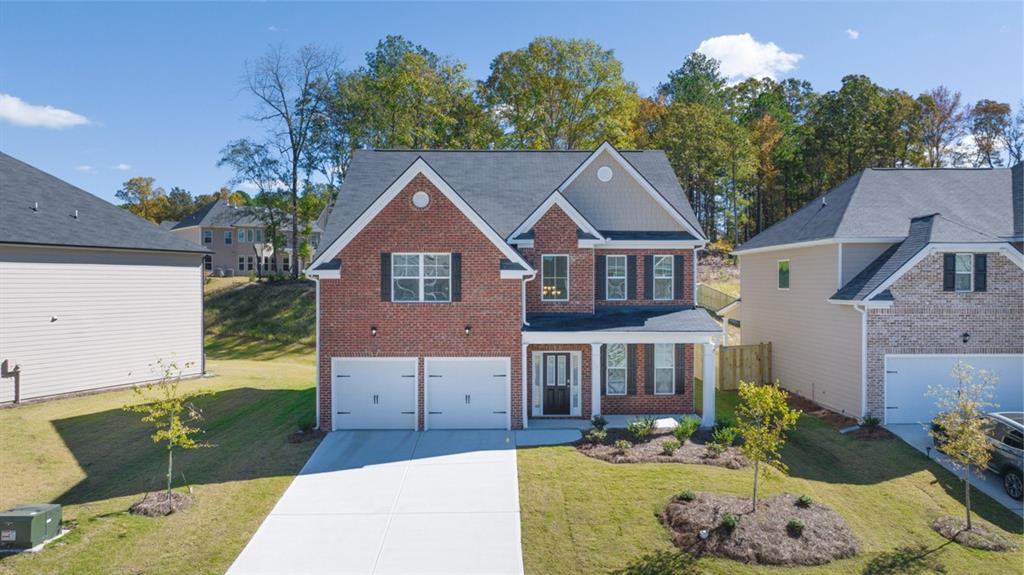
column 663, row 277
column 250, row 263
column 207, row 236
column 615, row 274
column 783, row 274
column 227, row 236
column 964, row 272
column 421, row 277
column 664, row 369
column 259, row 236
column 208, row 262
column 241, row 263
column 616, row 365
column 555, row 283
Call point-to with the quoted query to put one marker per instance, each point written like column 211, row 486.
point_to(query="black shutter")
column 648, row 277
column 456, row 277
column 948, row 272
column 649, row 369
column 631, row 278
column 631, row 369
column 599, row 278
column 385, row 277
column 679, row 262
column 980, row 272
column 603, row 350
column 680, row 349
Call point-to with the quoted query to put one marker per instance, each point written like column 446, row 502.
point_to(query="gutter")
column 523, row 297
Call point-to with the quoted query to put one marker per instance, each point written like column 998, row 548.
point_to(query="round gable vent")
column 421, row 199
column 604, row 173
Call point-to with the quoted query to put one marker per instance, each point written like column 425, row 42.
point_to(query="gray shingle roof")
column 99, row 223
column 218, row 214
column 504, row 187
column 626, row 318
column 877, row 203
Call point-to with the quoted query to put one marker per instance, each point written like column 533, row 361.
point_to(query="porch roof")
column 629, row 319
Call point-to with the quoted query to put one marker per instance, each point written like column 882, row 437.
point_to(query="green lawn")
column 263, row 321
column 582, row 515
column 96, row 460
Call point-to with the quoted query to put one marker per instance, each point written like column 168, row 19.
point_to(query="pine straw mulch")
column 807, row 406
column 159, row 505
column 693, row 450
column 979, row 537
column 759, row 537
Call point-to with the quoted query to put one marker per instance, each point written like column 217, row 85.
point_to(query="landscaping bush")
column 669, row 447
column 804, row 501
column 871, row 422
column 641, row 429
column 723, row 421
column 795, row 528
column 596, row 436
column 685, row 428
column 725, row 436
column 622, row 445
column 730, row 521
column 599, row 422
column 687, row 495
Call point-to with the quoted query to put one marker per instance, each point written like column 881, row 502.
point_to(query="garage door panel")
column 907, row 379
column 467, row 393
column 377, row 393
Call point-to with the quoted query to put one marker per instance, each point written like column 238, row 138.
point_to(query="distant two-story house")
column 233, row 234
column 871, row 293
column 480, row 289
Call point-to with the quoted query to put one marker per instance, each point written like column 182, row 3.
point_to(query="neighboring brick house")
column 479, row 289
column 233, row 233
column 871, row 293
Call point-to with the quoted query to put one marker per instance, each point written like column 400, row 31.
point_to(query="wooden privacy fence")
column 736, row 363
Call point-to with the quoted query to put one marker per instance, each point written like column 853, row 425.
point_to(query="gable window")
column 421, row 277
column 208, row 262
column 615, row 277
column 964, row 272
column 555, row 280
column 615, row 358
column 783, row 267
column 241, row 263
column 663, row 275
column 207, row 236
column 227, row 236
column 664, row 369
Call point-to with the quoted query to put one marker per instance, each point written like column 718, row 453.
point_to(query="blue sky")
column 155, row 89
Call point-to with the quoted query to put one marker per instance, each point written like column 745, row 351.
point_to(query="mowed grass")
column 582, row 515
column 263, row 321
column 95, row 459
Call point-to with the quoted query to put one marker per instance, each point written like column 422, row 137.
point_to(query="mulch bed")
column 693, row 450
column 869, row 433
column 759, row 537
column 159, row 505
column 979, row 537
column 300, row 437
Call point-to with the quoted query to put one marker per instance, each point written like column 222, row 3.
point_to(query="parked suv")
column 1006, row 435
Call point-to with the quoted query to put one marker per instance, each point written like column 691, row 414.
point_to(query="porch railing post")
column 708, row 416
column 595, row 379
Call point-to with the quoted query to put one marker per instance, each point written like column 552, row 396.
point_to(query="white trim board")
column 821, row 242
column 603, row 337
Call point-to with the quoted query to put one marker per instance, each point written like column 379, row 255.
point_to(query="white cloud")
column 21, row 113
column 742, row 57
column 272, row 28
column 121, row 167
column 85, row 168
column 852, row 34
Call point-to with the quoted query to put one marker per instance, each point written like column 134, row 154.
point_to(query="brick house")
column 872, row 292
column 481, row 289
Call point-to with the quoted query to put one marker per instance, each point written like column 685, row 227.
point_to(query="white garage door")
column 374, row 393
column 907, row 379
column 467, row 393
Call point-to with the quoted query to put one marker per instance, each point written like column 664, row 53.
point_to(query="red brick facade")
column 684, row 298
column 555, row 233
column 645, row 403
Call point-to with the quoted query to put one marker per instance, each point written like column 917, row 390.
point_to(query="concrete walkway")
column 399, row 502
column 917, row 437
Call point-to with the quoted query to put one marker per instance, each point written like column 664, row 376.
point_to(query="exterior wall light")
column 966, row 337
column 373, row 331
column 469, row 328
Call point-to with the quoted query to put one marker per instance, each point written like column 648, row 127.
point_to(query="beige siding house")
column 871, row 293
column 91, row 297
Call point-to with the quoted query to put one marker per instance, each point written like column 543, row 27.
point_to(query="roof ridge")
column 430, row 150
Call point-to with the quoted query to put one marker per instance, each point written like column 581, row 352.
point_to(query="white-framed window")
column 241, row 263
column 783, row 267
column 286, row 263
column 663, row 277
column 964, row 272
column 259, row 236
column 421, row 277
column 554, row 278
column 615, row 377
column 227, row 236
column 208, row 262
column 664, row 369
column 615, row 277
column 207, row 236
column 249, row 262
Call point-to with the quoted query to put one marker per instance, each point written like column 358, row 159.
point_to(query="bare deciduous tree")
column 943, row 123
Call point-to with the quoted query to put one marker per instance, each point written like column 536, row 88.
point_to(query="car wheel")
column 1012, row 484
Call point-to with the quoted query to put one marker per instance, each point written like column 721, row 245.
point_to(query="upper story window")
column 227, row 236
column 964, row 272
column 259, row 236
column 421, row 277
column 615, row 277
column 615, row 377
column 663, row 275
column 664, row 369
column 555, row 278
column 245, row 236
column 207, row 236
column 783, row 269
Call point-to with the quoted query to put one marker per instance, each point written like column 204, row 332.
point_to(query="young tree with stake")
column 763, row 417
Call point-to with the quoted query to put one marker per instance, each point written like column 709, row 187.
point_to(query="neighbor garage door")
column 907, row 378
column 373, row 393
column 467, row 393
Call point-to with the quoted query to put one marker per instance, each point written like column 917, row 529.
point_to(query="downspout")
column 523, row 296
column 863, row 359
column 522, row 353
column 317, row 280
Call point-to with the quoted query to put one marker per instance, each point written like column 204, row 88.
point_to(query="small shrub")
column 687, row 495
column 723, row 421
column 641, row 429
column 622, row 445
column 871, row 422
column 596, row 436
column 804, row 501
column 715, row 449
column 725, row 435
column 599, row 422
column 730, row 521
column 685, row 428
column 795, row 527
column 669, row 447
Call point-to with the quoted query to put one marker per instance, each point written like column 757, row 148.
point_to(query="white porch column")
column 525, row 397
column 708, row 418
column 595, row 379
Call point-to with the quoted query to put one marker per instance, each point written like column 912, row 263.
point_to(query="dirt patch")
column 303, row 436
column 979, row 537
column 807, row 406
column 693, row 450
column 763, row 537
column 871, row 433
column 159, row 505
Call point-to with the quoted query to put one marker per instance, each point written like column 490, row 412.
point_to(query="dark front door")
column 556, row 384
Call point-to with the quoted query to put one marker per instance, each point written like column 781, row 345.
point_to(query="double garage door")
column 382, row 393
column 907, row 378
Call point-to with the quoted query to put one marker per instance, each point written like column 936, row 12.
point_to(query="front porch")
column 619, row 362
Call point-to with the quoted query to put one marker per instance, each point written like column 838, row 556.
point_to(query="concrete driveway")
column 917, row 436
column 396, row 502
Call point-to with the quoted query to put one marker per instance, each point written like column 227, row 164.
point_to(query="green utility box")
column 26, row 526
